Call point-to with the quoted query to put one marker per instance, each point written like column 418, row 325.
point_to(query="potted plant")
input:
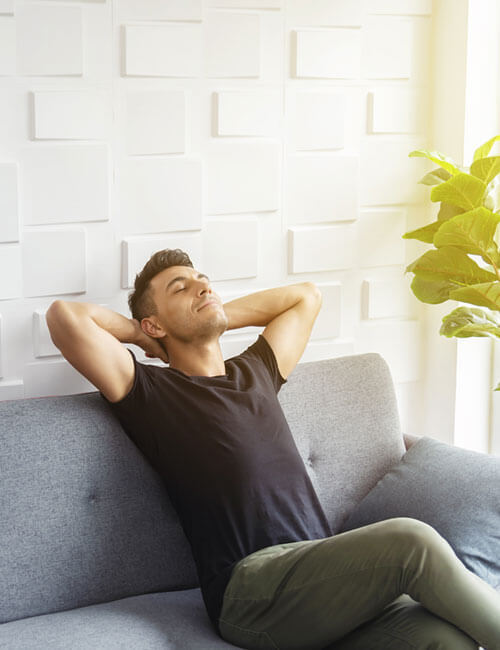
column 464, row 264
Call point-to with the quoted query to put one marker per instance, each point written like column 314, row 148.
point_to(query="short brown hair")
column 140, row 301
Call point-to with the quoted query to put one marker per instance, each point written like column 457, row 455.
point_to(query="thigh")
column 406, row 625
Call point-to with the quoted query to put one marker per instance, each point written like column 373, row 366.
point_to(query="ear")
column 152, row 328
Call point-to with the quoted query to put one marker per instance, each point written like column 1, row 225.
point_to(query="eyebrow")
column 183, row 277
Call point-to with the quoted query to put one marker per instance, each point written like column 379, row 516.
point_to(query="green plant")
column 464, row 264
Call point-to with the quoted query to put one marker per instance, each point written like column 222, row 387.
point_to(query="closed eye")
column 179, row 290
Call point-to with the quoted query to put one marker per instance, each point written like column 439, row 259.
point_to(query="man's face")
column 188, row 309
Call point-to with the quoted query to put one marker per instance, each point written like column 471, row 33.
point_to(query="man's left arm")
column 287, row 313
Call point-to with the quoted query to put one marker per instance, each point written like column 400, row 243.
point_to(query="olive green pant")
column 392, row 585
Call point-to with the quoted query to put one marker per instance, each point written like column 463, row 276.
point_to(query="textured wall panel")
column 318, row 121
column 398, row 342
column 49, row 40
column 44, row 379
column 68, row 114
column 243, row 177
column 247, row 4
column 158, row 195
column 230, row 249
column 394, row 110
column 6, row 7
column 322, row 188
column 232, row 45
column 136, row 251
column 317, row 350
column 163, row 50
column 327, row 324
column 156, row 122
column 7, row 46
column 380, row 240
column 388, row 175
column 9, row 220
column 321, row 249
column 387, row 48
column 340, row 13
column 54, row 262
column 410, row 7
column 331, row 54
column 189, row 10
column 252, row 112
column 10, row 271
column 385, row 299
column 42, row 342
column 12, row 389
column 65, row 183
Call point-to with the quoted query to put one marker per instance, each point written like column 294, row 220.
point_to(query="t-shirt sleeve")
column 132, row 411
column 263, row 351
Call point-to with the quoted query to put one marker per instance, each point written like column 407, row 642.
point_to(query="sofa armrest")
column 410, row 439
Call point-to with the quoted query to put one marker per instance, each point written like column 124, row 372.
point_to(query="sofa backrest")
column 85, row 518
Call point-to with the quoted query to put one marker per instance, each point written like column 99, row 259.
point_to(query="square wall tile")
column 54, row 262
column 243, row 177
column 186, row 10
column 10, row 271
column 322, row 188
column 163, row 50
column 395, row 110
column 329, row 319
column 387, row 48
column 388, row 175
column 253, row 112
column 49, row 40
column 328, row 54
column 9, row 218
column 325, row 248
column 6, row 7
column 247, row 4
column 339, row 13
column 380, row 238
column 318, row 121
column 12, row 389
column 136, row 251
column 65, row 183
column 386, row 298
column 42, row 341
column 7, row 46
column 410, row 7
column 224, row 256
column 156, row 122
column 72, row 114
column 232, row 45
column 160, row 194
column 51, row 378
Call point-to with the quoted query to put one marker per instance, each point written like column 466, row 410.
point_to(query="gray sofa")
column 91, row 552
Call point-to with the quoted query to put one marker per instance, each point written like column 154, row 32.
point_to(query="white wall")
column 269, row 139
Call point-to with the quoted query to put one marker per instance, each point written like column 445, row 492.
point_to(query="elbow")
column 313, row 292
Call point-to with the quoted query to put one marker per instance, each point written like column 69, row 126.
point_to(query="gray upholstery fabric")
column 455, row 490
column 86, row 520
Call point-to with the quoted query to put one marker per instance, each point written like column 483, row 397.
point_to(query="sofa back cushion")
column 85, row 519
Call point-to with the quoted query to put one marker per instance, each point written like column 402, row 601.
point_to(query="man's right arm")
column 90, row 337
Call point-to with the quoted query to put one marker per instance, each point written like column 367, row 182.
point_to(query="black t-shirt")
column 227, row 457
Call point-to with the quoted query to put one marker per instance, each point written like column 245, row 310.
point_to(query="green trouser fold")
column 357, row 590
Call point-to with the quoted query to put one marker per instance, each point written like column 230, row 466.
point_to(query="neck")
column 197, row 358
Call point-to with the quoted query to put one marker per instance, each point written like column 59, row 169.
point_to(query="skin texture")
column 189, row 334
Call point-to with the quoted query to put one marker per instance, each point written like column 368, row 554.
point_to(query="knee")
column 413, row 531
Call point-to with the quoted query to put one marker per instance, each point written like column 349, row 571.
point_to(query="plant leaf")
column 447, row 211
column 486, row 168
column 484, row 149
column 443, row 161
column 435, row 177
column 473, row 233
column 450, row 264
column 431, row 291
column 464, row 322
column 425, row 234
column 486, row 294
column 463, row 190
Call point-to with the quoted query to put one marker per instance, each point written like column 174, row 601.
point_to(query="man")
column 272, row 574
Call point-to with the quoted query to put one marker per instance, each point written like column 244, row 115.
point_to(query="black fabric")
column 228, row 459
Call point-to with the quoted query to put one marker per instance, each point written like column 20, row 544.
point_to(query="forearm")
column 121, row 327
column 259, row 308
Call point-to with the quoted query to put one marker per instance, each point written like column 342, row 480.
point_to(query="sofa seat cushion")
column 455, row 490
column 172, row 620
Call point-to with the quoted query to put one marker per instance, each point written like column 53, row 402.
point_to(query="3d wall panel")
column 267, row 139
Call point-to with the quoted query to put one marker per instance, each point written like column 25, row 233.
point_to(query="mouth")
column 209, row 302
